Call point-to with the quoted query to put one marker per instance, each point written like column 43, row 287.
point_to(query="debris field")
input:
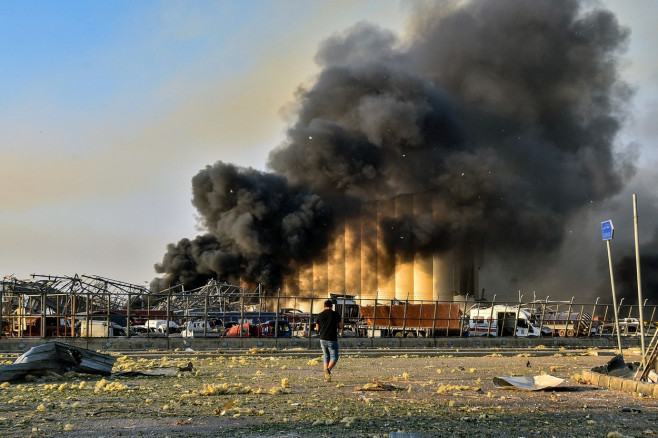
column 269, row 393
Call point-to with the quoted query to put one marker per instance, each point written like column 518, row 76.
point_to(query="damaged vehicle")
column 268, row 329
column 501, row 320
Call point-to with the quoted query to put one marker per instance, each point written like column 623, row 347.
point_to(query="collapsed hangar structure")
column 48, row 305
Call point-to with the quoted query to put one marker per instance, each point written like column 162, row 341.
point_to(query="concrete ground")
column 274, row 393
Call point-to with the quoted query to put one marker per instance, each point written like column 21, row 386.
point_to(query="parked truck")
column 568, row 324
column 101, row 329
column 501, row 320
column 411, row 320
column 199, row 328
column 160, row 325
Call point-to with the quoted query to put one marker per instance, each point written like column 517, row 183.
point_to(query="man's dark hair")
column 328, row 303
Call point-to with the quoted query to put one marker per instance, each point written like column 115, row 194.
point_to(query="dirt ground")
column 275, row 394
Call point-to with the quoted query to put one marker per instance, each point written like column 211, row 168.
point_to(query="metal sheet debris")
column 56, row 357
column 616, row 367
column 158, row 372
column 536, row 383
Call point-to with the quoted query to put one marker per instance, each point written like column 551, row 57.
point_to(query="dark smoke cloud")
column 626, row 276
column 257, row 224
column 505, row 111
column 623, row 248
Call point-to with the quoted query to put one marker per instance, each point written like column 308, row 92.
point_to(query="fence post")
column 276, row 315
column 390, row 313
column 450, row 318
column 43, row 314
column 605, row 318
column 206, row 298
column 2, row 289
column 493, row 304
column 652, row 315
column 128, row 316
column 581, row 320
column 420, row 317
column 518, row 312
column 404, row 320
column 168, row 307
column 566, row 328
column 310, row 316
column 374, row 315
column 436, row 311
column 342, row 311
column 241, row 310
column 591, row 319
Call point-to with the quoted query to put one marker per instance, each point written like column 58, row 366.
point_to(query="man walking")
column 327, row 324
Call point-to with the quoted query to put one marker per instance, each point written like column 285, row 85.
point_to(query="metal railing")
column 83, row 306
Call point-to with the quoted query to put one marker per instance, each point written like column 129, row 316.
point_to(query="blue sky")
column 109, row 108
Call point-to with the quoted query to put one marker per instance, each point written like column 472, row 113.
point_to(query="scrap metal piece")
column 536, row 383
column 616, row 367
column 59, row 358
column 158, row 372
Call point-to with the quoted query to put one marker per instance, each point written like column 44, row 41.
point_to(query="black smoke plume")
column 505, row 111
column 257, row 224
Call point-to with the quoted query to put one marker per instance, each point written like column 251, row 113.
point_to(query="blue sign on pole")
column 607, row 230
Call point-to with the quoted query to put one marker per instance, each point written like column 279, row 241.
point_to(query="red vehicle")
column 247, row 331
column 264, row 330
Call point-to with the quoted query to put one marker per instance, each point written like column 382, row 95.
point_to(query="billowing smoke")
column 626, row 276
column 257, row 224
column 624, row 258
column 505, row 111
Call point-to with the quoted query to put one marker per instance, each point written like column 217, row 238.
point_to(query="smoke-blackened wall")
column 504, row 113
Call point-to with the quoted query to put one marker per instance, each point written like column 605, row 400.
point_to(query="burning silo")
column 476, row 137
column 371, row 254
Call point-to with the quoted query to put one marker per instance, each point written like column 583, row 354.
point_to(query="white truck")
column 160, row 325
column 101, row 329
column 197, row 328
column 501, row 320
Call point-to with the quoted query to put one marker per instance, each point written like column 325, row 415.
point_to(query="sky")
column 109, row 109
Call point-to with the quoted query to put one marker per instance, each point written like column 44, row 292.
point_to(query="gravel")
column 272, row 394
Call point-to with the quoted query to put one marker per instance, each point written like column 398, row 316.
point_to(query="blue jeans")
column 330, row 350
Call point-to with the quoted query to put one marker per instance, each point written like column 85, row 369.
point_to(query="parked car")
column 267, row 329
column 143, row 330
column 627, row 326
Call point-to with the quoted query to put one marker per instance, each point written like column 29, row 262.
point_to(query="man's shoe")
column 327, row 376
